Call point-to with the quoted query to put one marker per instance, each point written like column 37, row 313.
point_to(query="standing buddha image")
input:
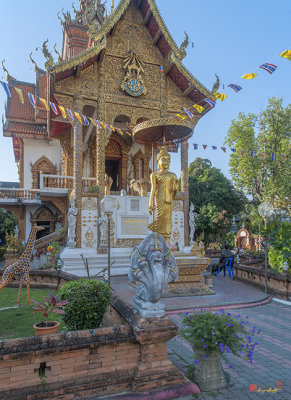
column 164, row 186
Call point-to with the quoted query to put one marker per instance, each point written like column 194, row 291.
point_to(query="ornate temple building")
column 126, row 71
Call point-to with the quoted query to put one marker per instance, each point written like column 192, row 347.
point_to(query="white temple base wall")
column 73, row 264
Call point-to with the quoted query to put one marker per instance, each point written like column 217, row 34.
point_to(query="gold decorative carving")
column 42, row 166
column 177, row 205
column 133, row 83
column 89, row 204
column 89, row 236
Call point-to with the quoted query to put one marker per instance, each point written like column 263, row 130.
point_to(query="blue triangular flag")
column 6, row 88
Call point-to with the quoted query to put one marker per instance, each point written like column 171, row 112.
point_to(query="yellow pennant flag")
column 78, row 116
column 181, row 116
column 198, row 108
column 220, row 96
column 101, row 123
column 44, row 103
column 63, row 112
column 119, row 130
column 92, row 120
column 20, row 94
column 286, row 54
column 112, row 127
column 249, row 76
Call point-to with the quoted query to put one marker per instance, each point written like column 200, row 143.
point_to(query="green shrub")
column 88, row 300
column 2, row 252
column 276, row 259
column 94, row 189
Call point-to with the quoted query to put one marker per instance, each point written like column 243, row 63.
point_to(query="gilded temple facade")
column 124, row 70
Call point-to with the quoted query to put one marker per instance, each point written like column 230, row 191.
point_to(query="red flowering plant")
column 51, row 304
column 54, row 250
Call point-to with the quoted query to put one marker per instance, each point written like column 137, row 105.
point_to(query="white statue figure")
column 16, row 231
column 72, row 217
column 103, row 230
column 192, row 216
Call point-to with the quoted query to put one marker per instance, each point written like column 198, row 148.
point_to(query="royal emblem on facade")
column 132, row 82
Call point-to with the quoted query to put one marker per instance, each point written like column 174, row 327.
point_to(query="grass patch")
column 18, row 322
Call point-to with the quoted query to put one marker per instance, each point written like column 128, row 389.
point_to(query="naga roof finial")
column 112, row 7
column 33, row 62
column 216, row 84
column 8, row 77
column 184, row 45
column 57, row 53
column 48, row 56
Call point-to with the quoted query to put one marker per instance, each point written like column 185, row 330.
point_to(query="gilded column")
column 100, row 159
column 77, row 172
column 185, row 188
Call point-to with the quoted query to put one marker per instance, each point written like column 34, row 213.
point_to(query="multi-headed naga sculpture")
column 152, row 268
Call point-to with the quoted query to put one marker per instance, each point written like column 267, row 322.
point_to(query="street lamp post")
column 109, row 205
column 266, row 210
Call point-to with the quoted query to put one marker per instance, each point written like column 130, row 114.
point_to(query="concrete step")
column 72, row 261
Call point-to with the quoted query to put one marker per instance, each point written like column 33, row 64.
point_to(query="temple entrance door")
column 112, row 169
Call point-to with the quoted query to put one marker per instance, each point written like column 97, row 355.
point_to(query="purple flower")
column 202, row 340
column 204, row 356
column 187, row 313
column 213, row 333
column 226, row 323
column 205, row 346
column 247, row 317
column 230, row 366
column 186, row 327
column 236, row 336
column 196, row 361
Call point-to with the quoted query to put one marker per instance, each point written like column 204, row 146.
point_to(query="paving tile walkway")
column 272, row 358
column 228, row 291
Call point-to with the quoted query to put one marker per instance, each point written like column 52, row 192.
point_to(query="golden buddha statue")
column 163, row 191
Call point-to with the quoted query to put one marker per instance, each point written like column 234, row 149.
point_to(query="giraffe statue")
column 21, row 266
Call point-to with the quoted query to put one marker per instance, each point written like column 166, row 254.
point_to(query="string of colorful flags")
column 270, row 68
column 253, row 154
column 60, row 110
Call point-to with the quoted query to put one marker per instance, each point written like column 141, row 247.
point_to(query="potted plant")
column 212, row 336
column 51, row 304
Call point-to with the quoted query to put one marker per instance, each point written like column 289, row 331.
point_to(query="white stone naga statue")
column 192, row 224
column 72, row 217
column 152, row 268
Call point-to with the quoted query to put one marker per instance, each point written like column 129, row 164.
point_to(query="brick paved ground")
column 228, row 291
column 272, row 358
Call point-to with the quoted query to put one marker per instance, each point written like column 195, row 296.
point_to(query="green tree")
column 215, row 199
column 265, row 134
column 7, row 224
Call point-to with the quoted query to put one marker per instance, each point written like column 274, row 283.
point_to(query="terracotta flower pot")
column 209, row 373
column 40, row 328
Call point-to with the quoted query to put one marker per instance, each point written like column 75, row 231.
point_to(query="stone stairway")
column 73, row 264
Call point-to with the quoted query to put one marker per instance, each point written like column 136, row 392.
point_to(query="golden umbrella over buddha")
column 164, row 186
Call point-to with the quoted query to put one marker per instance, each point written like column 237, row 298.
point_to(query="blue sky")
column 231, row 38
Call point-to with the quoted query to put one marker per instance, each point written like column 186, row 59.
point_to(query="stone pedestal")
column 191, row 280
column 154, row 369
